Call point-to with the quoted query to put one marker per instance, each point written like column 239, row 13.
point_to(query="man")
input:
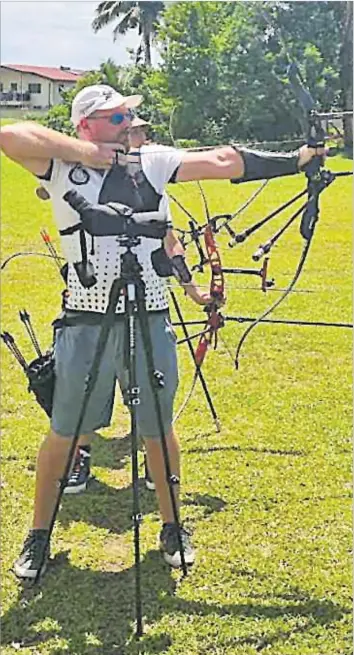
column 138, row 133
column 102, row 118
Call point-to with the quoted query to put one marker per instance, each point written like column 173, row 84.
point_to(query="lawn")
column 268, row 498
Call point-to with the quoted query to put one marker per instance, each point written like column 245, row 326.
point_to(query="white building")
column 34, row 87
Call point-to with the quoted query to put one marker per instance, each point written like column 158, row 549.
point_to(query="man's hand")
column 97, row 155
column 199, row 296
column 306, row 154
column 196, row 294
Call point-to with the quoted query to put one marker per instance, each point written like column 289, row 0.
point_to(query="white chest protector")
column 102, row 255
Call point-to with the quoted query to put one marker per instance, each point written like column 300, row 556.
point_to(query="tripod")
column 130, row 284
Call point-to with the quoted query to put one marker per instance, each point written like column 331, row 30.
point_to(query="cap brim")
column 139, row 122
column 133, row 101
column 127, row 101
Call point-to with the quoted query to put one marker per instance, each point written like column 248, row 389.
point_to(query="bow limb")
column 215, row 319
column 217, row 284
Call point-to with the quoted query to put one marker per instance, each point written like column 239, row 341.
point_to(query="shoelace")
column 76, row 469
column 184, row 535
column 32, row 542
column 29, row 544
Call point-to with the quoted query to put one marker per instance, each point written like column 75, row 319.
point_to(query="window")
column 34, row 88
column 1, row 87
column 13, row 86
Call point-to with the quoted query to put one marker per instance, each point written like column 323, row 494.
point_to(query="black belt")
column 72, row 317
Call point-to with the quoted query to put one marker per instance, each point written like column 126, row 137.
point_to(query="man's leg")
column 51, row 463
column 169, row 544
column 164, row 361
column 81, row 467
column 156, row 466
column 75, row 348
column 85, row 440
column 72, row 366
column 52, row 458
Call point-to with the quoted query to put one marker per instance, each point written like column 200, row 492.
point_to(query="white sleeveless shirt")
column 158, row 165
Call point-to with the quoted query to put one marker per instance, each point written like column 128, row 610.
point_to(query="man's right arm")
column 33, row 146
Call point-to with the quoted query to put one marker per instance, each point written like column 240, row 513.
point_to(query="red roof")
column 45, row 71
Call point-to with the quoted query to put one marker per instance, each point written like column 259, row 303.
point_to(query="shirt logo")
column 79, row 175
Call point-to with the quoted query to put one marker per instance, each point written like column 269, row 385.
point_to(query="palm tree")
column 116, row 76
column 131, row 15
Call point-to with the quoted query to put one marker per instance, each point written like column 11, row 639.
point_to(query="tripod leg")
column 197, row 368
column 133, row 401
column 89, row 386
column 155, row 383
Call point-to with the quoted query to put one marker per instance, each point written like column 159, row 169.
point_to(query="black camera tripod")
column 130, row 284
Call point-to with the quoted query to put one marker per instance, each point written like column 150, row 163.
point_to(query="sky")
column 58, row 33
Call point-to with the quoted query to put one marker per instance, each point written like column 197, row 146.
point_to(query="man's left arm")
column 238, row 163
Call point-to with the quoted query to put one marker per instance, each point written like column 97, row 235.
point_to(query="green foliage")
column 58, row 118
column 187, row 143
column 225, row 64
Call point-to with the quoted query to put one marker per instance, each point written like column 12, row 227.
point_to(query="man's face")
column 138, row 136
column 109, row 126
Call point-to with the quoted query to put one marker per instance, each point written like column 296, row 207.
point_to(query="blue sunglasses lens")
column 118, row 118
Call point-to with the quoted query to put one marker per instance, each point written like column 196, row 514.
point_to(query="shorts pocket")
column 170, row 331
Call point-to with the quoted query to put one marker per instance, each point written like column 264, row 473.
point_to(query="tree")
column 226, row 66
column 131, row 15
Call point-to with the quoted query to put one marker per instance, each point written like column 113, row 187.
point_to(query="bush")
column 58, row 118
column 187, row 143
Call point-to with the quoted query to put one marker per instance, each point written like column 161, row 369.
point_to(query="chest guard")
column 128, row 187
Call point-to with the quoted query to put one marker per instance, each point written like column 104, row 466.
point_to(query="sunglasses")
column 117, row 118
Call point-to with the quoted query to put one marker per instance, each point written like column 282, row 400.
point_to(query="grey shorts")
column 74, row 350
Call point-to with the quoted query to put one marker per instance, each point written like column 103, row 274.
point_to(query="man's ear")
column 84, row 124
column 83, row 129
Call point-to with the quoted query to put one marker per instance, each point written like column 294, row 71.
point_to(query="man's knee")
column 155, row 440
column 60, row 442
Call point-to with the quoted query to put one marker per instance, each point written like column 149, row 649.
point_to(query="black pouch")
column 161, row 263
column 166, row 266
column 41, row 376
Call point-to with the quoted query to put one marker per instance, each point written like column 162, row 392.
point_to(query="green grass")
column 7, row 121
column 268, row 499
column 17, row 113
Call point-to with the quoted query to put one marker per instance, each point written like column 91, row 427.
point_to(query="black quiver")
column 41, row 377
column 40, row 372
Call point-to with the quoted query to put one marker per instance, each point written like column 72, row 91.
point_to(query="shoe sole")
column 28, row 574
column 76, row 490
column 150, row 485
column 175, row 560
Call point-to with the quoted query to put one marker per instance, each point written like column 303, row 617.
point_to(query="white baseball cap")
column 138, row 122
column 99, row 96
